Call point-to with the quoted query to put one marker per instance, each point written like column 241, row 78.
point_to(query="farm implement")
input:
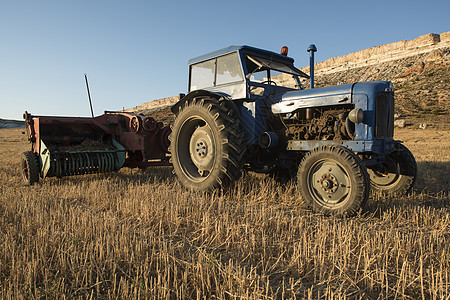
column 64, row 146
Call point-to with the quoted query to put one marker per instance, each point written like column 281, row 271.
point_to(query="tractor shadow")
column 433, row 177
column 431, row 191
column 431, row 188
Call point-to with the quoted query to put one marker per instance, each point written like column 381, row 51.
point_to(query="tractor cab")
column 244, row 72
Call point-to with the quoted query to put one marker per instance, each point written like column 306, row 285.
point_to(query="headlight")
column 356, row 115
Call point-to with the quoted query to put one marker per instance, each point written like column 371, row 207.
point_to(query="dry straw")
column 137, row 234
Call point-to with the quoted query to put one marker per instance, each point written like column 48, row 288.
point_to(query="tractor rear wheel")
column 333, row 180
column 29, row 164
column 397, row 174
column 207, row 144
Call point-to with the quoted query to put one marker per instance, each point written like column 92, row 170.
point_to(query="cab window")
column 202, row 75
column 228, row 69
column 222, row 70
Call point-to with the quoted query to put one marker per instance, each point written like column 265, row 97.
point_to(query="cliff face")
column 158, row 109
column 385, row 53
column 155, row 105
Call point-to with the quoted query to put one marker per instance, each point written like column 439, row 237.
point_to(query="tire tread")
column 228, row 124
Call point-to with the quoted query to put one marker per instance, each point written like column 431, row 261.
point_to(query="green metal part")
column 121, row 154
column 66, row 163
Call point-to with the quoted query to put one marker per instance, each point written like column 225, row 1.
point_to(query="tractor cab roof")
column 246, row 49
column 267, row 56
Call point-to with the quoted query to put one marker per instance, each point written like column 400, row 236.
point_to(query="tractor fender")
column 198, row 93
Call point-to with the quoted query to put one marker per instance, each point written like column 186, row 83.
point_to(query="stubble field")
column 136, row 234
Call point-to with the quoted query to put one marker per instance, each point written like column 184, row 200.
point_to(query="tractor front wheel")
column 333, row 180
column 397, row 174
column 206, row 144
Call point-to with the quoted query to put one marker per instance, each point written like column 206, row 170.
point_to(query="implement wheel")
column 206, row 144
column 333, row 180
column 29, row 164
column 397, row 174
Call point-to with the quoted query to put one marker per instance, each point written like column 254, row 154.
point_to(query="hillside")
column 11, row 124
column 419, row 69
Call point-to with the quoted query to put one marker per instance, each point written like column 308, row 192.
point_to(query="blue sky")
column 137, row 51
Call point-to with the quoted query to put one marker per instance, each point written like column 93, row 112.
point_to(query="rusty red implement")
column 63, row 146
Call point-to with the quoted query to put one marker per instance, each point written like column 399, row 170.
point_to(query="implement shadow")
column 152, row 175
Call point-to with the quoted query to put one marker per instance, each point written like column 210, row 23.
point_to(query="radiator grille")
column 384, row 115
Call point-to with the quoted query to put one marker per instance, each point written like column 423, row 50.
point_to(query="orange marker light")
column 284, row 51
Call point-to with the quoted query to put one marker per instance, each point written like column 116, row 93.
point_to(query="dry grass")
column 138, row 234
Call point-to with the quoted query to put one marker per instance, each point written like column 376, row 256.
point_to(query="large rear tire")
column 397, row 174
column 207, row 144
column 29, row 164
column 333, row 181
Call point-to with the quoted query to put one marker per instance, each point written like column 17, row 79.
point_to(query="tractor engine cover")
column 326, row 96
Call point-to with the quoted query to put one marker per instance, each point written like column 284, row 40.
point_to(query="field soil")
column 139, row 234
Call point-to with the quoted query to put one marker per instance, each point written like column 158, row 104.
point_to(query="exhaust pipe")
column 311, row 49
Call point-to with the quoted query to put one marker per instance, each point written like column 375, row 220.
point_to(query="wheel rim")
column 196, row 149
column 201, row 149
column 387, row 175
column 329, row 183
column 25, row 171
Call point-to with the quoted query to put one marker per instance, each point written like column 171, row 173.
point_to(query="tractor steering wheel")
column 269, row 82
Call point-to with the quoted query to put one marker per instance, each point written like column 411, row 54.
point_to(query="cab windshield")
column 263, row 70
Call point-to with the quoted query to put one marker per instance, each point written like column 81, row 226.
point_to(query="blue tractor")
column 246, row 110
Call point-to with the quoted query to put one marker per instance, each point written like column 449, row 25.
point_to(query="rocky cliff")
column 158, row 109
column 155, row 105
column 386, row 53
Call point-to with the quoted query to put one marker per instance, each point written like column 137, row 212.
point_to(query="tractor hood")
column 326, row 96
